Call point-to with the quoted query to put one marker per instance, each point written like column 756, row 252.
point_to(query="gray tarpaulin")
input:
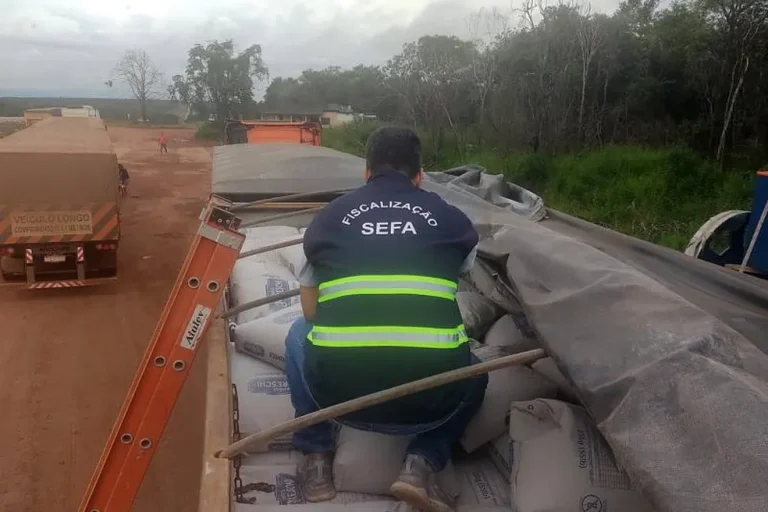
column 662, row 348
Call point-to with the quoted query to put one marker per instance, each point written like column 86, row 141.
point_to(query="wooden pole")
column 258, row 442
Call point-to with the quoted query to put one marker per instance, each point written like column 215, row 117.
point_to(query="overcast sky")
column 68, row 47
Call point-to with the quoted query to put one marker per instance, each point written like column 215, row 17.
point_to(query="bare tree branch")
column 142, row 76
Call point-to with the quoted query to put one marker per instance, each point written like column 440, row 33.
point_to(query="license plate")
column 54, row 258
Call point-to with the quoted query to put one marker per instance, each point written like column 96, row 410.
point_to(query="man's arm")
column 308, row 292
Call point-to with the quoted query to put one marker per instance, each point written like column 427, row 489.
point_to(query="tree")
column 694, row 73
column 138, row 71
column 589, row 36
column 362, row 87
column 219, row 80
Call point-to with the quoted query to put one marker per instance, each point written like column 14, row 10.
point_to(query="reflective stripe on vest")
column 387, row 285
column 388, row 336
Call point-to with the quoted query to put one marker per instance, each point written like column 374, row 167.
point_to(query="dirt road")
column 68, row 356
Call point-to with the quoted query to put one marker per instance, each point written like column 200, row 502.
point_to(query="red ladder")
column 167, row 361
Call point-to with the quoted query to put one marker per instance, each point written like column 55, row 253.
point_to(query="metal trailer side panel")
column 216, row 479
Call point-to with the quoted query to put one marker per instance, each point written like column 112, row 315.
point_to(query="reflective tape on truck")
column 55, row 223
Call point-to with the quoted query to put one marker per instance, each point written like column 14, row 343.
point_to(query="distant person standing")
column 163, row 141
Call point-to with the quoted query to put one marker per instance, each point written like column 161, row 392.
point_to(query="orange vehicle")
column 260, row 132
column 59, row 212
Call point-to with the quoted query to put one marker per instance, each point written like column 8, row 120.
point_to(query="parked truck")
column 264, row 132
column 59, row 213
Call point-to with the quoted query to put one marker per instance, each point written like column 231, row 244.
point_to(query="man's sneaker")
column 417, row 485
column 316, row 477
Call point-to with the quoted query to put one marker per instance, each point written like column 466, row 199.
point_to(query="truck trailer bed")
column 656, row 354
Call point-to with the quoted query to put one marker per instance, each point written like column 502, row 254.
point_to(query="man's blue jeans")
column 433, row 441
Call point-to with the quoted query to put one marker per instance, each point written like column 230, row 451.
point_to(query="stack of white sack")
column 548, row 368
column 355, row 506
column 260, row 332
column 278, row 490
column 263, row 397
column 254, row 279
column 291, row 257
column 264, row 338
column 512, row 384
column 562, row 462
column 478, row 313
column 367, row 462
column 505, row 332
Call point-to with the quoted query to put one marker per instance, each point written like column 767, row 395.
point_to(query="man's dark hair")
column 394, row 148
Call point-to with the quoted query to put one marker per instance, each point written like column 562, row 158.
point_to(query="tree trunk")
column 729, row 109
column 143, row 105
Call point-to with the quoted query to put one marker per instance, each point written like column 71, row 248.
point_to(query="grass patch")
column 659, row 195
column 208, row 131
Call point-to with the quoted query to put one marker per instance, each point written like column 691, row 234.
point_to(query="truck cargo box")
column 58, row 197
column 264, row 132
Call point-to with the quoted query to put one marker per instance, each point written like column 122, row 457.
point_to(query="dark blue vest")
column 387, row 257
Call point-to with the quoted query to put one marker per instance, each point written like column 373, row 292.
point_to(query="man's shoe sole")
column 417, row 497
column 328, row 496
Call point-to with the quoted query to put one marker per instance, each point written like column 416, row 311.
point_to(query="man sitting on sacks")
column 378, row 295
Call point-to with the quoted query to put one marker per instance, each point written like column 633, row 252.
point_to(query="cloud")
column 74, row 44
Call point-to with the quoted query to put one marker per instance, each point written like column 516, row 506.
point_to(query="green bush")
column 349, row 138
column 208, row 131
column 659, row 195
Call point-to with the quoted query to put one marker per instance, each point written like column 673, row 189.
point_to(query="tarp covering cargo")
column 61, row 160
column 58, row 178
column 248, row 171
column 661, row 349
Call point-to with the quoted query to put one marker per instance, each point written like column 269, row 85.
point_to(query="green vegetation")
column 647, row 120
column 208, row 131
column 659, row 195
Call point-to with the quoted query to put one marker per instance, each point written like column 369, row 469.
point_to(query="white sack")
column 501, row 454
column 382, row 505
column 279, row 485
column 262, row 236
column 481, row 279
column 370, row 463
column 513, row 384
column 257, row 279
column 562, row 462
column 477, row 313
column 504, row 332
column 481, row 487
column 293, row 258
column 279, row 458
column 263, row 396
column 371, row 506
column 549, row 369
column 264, row 338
